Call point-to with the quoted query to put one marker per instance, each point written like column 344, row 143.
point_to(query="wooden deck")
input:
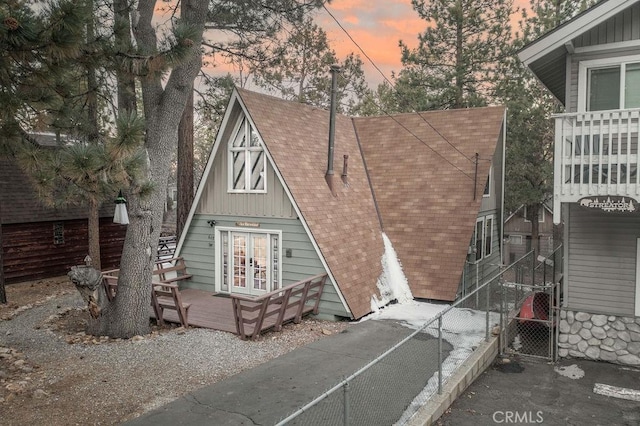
column 207, row 310
column 215, row 311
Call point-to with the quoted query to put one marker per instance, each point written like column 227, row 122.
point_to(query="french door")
column 249, row 262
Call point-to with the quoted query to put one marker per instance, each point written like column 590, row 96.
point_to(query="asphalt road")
column 528, row 391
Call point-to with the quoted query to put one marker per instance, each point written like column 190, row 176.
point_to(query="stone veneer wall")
column 600, row 337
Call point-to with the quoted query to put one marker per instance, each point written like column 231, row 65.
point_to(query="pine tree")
column 299, row 70
column 454, row 65
column 36, row 47
column 530, row 133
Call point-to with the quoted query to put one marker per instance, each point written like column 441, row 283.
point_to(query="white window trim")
column 488, row 194
column 483, row 220
column 513, row 238
column 584, row 67
column 484, row 240
column 218, row 245
column 474, row 241
column 236, row 128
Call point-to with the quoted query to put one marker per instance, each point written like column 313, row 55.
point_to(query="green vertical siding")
column 199, row 252
column 215, row 198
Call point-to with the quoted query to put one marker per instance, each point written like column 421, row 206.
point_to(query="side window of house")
column 488, row 236
column 246, row 160
column 487, row 185
column 58, row 233
column 483, row 237
column 479, row 238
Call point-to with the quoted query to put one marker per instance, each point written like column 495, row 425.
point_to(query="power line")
column 393, row 87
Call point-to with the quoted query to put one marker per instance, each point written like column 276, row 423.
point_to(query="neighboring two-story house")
column 518, row 233
column 592, row 65
column 275, row 207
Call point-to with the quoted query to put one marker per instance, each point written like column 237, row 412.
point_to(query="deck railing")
column 596, row 154
column 272, row 310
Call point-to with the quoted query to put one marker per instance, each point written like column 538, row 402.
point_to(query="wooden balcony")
column 595, row 154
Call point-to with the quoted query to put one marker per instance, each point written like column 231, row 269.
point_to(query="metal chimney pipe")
column 345, row 164
column 335, row 69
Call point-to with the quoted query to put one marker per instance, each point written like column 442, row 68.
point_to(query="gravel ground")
column 51, row 373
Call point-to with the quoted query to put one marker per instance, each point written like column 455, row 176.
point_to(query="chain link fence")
column 534, row 299
column 418, row 366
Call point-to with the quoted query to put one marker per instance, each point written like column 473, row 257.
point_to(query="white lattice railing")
column 596, row 154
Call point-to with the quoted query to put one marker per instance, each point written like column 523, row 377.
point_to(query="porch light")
column 120, row 216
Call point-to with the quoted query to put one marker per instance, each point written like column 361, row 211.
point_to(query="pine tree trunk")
column 185, row 166
column 535, row 229
column 126, row 83
column 460, row 67
column 93, row 230
column 93, row 222
column 3, row 293
column 128, row 314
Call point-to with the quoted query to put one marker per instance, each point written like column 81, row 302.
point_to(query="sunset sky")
column 377, row 26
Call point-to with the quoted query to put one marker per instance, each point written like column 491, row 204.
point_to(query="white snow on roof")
column 392, row 284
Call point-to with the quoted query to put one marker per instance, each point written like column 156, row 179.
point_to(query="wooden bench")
column 272, row 310
column 171, row 270
column 110, row 282
column 163, row 296
column 167, row 296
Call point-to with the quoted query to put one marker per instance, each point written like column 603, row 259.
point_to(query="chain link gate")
column 533, row 301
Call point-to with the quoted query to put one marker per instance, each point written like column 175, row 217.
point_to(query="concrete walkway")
column 270, row 392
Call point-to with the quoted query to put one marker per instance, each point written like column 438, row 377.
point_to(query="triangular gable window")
column 246, row 159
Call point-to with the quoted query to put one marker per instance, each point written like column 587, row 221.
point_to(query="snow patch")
column 392, row 284
column 572, row 371
column 464, row 329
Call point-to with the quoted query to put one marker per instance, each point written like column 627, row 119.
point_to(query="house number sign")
column 611, row 204
column 248, row 224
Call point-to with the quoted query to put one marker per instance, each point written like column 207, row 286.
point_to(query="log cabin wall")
column 47, row 249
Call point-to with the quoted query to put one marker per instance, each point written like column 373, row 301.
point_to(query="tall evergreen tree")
column 299, row 70
column 454, row 65
column 36, row 48
column 530, row 134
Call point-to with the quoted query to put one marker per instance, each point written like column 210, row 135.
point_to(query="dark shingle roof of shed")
column 19, row 202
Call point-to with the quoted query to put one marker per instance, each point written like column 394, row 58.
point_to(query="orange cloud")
column 377, row 27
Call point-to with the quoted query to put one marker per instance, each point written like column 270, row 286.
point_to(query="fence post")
column 486, row 331
column 440, row 355
column 502, row 320
column 477, row 286
column 345, row 387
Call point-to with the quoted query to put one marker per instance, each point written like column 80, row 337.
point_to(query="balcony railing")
column 596, row 154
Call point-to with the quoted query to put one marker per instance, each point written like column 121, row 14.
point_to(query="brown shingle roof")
column 426, row 203
column 424, row 188
column 344, row 226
